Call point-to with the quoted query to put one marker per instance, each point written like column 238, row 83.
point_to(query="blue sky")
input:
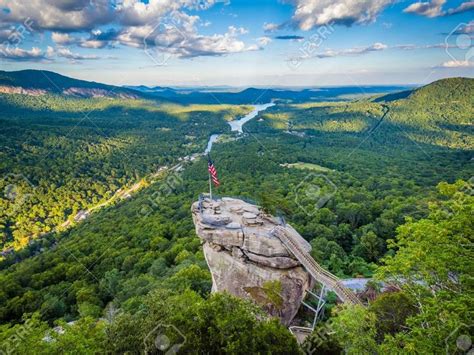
column 240, row 43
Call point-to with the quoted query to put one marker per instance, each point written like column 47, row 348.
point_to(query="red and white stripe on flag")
column 213, row 172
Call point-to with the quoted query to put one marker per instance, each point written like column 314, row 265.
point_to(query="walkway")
column 315, row 270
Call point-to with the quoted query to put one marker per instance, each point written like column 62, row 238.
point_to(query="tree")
column 220, row 324
column 322, row 341
column 370, row 246
column 86, row 336
column 392, row 310
column 433, row 266
column 354, row 328
column 329, row 254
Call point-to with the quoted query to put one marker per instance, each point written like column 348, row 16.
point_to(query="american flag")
column 212, row 171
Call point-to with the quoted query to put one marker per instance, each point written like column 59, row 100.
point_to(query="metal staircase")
column 313, row 268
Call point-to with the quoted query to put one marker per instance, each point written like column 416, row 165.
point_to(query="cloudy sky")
column 240, row 42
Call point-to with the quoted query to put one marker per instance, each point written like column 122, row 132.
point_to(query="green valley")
column 397, row 191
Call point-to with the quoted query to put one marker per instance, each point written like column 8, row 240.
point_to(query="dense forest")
column 390, row 197
column 63, row 155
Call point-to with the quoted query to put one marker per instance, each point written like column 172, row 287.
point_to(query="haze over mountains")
column 36, row 82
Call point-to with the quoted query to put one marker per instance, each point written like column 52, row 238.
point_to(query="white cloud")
column 63, row 39
column 429, row 9
column 377, row 47
column 85, row 15
column 466, row 6
column 353, row 51
column 50, row 52
column 58, row 15
column 66, row 53
column 137, row 13
column 313, row 13
column 332, row 53
column 270, row 27
column 100, row 39
column 466, row 29
column 178, row 36
column 163, row 27
column 161, row 24
column 434, row 8
column 93, row 44
column 423, row 46
column 457, row 64
column 18, row 54
column 238, row 30
column 35, row 54
column 97, row 39
column 263, row 41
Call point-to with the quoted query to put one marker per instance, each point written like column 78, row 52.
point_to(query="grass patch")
column 307, row 166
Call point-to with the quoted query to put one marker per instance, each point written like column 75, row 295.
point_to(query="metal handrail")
column 316, row 271
column 218, row 197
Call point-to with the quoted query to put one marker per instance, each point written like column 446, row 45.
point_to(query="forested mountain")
column 439, row 113
column 400, row 211
column 40, row 82
column 447, row 90
column 263, row 95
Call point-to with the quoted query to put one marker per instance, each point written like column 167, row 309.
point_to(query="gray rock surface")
column 246, row 260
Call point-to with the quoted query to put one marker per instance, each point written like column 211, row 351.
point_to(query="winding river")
column 236, row 125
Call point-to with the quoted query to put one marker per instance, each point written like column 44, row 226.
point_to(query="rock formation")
column 247, row 260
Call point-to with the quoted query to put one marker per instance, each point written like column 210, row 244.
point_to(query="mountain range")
column 40, row 82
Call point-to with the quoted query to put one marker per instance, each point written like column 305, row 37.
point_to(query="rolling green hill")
column 440, row 114
column 136, row 262
column 450, row 89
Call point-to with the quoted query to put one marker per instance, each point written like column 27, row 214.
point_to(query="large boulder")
column 246, row 260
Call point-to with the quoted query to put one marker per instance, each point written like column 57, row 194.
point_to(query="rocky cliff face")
column 246, row 260
column 72, row 91
column 20, row 90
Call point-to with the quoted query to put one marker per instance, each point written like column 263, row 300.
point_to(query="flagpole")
column 210, row 186
column 210, row 182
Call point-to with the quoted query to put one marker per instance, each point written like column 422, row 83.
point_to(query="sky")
column 240, row 42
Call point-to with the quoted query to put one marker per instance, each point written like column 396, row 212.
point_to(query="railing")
column 316, row 271
column 300, row 330
column 218, row 197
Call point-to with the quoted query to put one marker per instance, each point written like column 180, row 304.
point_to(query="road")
column 124, row 193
